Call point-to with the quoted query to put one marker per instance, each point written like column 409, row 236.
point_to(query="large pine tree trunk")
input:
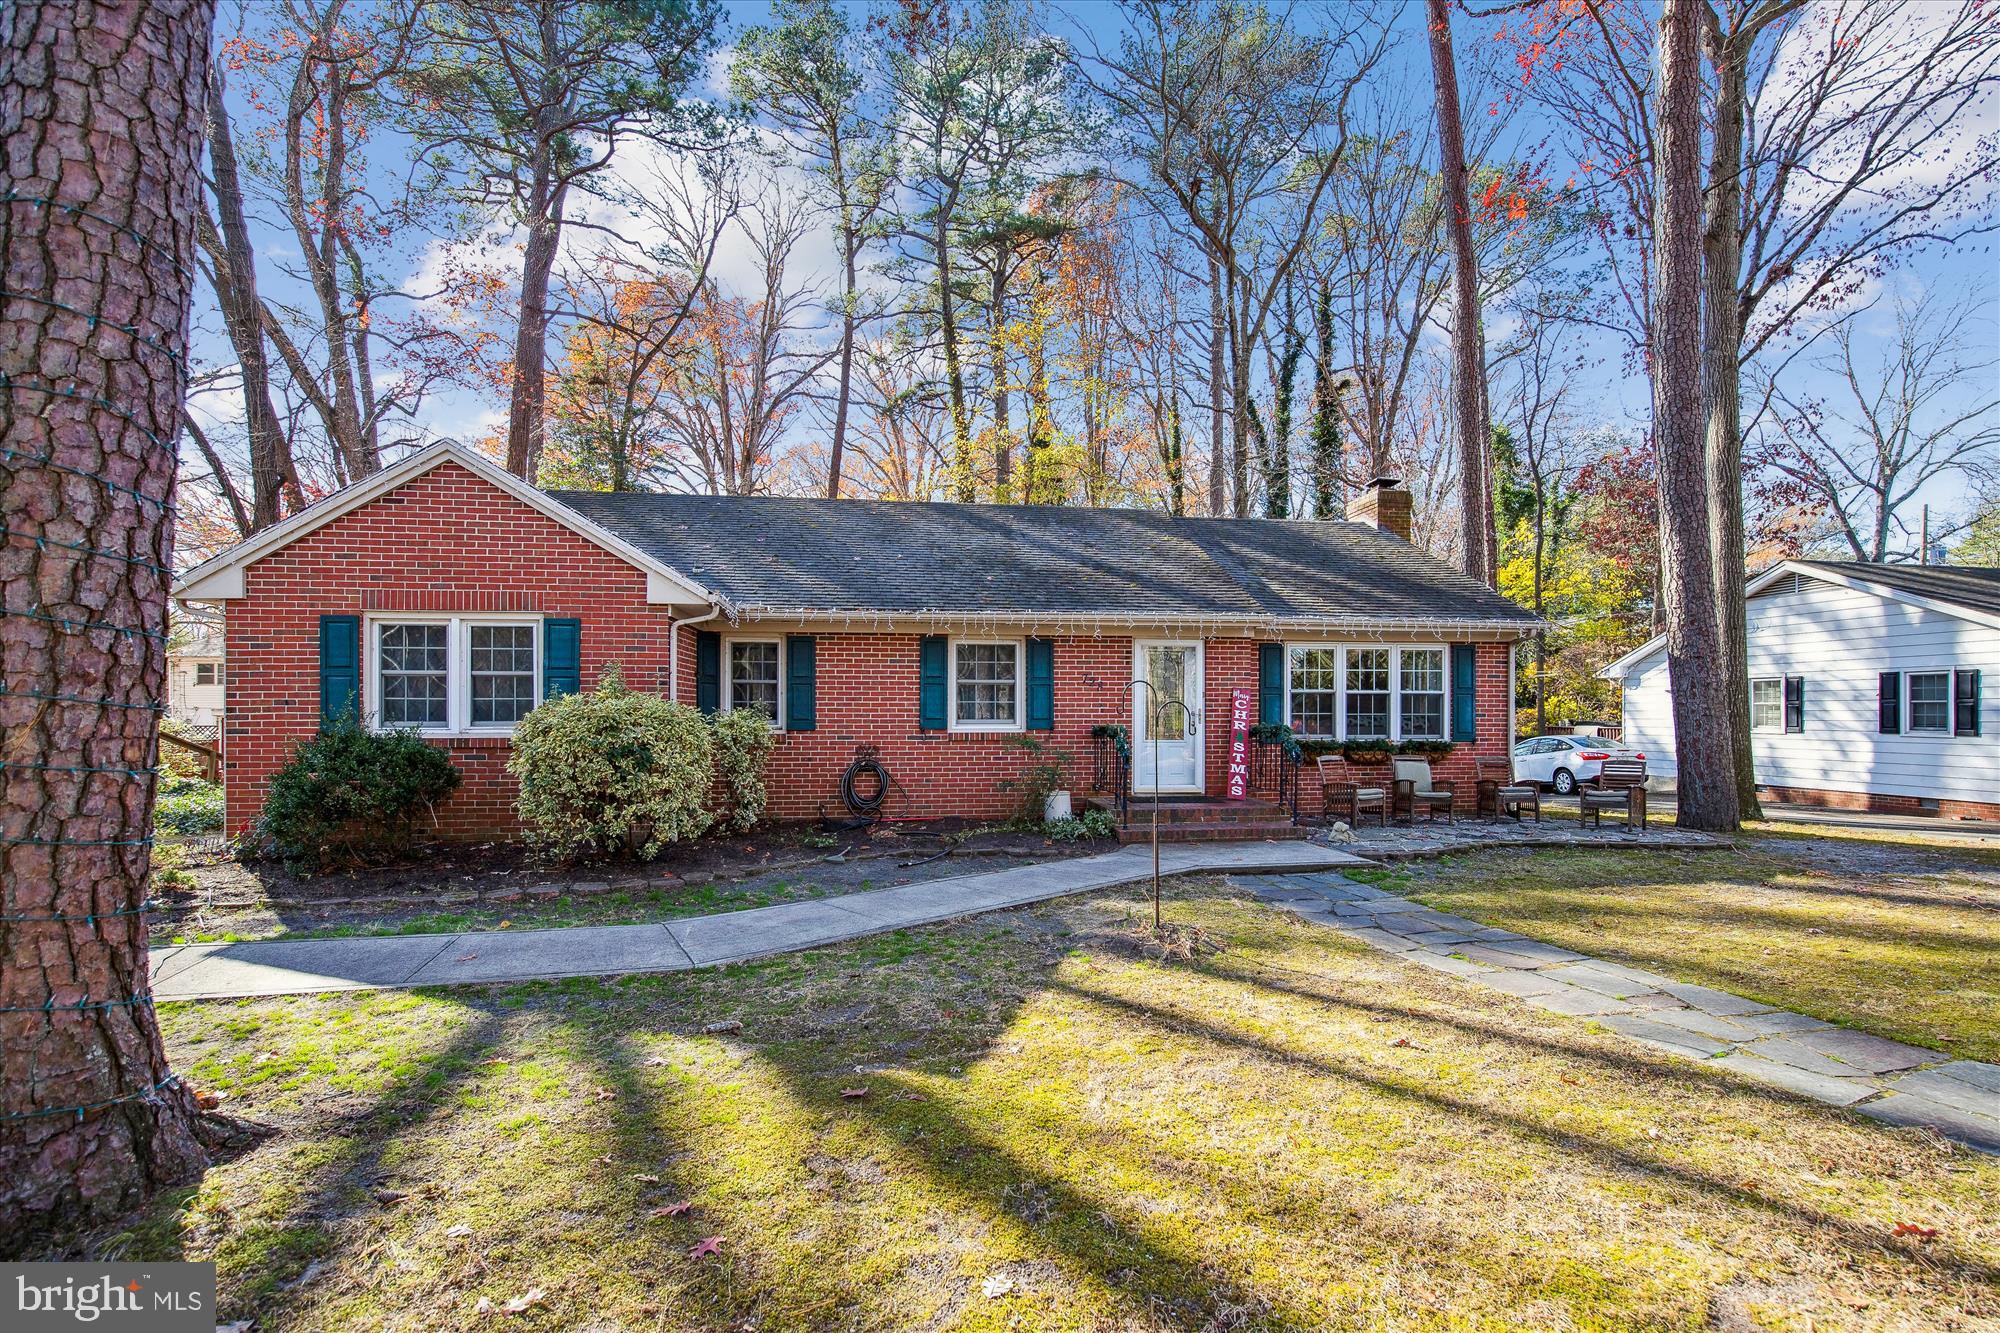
column 1218, row 486
column 1722, row 247
column 101, row 109
column 1468, row 352
column 1703, row 749
column 526, row 425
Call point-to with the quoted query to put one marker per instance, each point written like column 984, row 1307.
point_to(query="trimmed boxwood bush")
column 614, row 770
column 350, row 796
column 743, row 744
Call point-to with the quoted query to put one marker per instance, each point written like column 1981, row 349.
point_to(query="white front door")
column 1166, row 719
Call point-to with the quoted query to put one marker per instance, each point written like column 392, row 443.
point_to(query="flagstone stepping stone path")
column 1887, row 1080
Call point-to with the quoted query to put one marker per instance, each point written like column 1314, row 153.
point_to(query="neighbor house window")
column 1421, row 675
column 1315, row 690
column 1930, row 701
column 454, row 674
column 754, row 676
column 1767, row 704
column 208, row 673
column 986, row 686
column 1367, row 693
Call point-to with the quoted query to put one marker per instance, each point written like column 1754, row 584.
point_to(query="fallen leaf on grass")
column 706, row 1246
column 503, row 925
column 494, row 1060
column 1573, row 1082
column 851, row 1093
column 518, row 1305
column 206, row 1100
column 605, row 1094
column 1914, row 1229
column 658, row 1060
column 672, row 1209
column 647, row 1180
column 996, row 1286
column 1403, row 1041
column 458, row 1232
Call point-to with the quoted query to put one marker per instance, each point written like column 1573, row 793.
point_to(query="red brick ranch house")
column 448, row 595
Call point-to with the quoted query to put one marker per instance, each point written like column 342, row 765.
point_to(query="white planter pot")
column 1056, row 807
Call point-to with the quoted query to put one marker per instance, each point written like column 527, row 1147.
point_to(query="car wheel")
column 1565, row 782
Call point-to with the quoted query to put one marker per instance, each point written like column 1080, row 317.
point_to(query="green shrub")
column 350, row 796
column 613, row 770
column 743, row 744
column 187, row 805
column 1092, row 823
column 1047, row 772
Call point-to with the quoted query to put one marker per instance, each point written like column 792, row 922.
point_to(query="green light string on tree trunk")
column 95, row 321
column 57, row 391
column 43, row 543
column 6, row 693
column 84, row 768
column 76, row 842
column 77, row 210
column 144, row 1094
column 88, row 918
column 88, row 626
column 86, row 1005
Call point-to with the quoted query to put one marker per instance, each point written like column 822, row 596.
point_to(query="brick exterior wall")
column 446, row 541
column 1877, row 803
column 449, row 542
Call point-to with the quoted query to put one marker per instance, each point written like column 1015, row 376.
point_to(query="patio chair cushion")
column 1369, row 794
column 1517, row 793
column 1611, row 800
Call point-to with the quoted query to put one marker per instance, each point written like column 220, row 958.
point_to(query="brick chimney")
column 1384, row 503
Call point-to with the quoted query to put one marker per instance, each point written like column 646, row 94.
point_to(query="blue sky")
column 1611, row 394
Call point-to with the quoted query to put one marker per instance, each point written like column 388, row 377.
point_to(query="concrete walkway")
column 1892, row 1082
column 298, row 967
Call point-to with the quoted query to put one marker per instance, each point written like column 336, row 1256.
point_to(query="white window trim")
column 1910, row 727
column 1777, row 729
column 458, row 668
column 1020, row 722
column 1396, row 650
column 727, row 703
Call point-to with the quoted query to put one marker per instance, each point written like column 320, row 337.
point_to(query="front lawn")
column 1027, row 1120
column 1889, row 939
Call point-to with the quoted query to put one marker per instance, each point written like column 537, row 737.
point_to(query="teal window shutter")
column 339, row 670
column 1270, row 684
column 932, row 653
column 1041, row 685
column 562, row 656
column 801, row 682
column 1464, row 692
column 708, row 671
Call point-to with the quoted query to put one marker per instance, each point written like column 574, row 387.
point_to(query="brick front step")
column 1140, row 830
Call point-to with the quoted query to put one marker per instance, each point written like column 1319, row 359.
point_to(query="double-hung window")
column 755, row 677
column 454, row 674
column 986, row 685
column 1367, row 693
column 1930, row 702
column 1421, row 674
column 1315, row 691
column 208, row 673
column 1767, row 704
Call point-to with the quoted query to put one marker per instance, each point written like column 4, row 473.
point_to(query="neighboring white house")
column 1865, row 684
column 195, row 679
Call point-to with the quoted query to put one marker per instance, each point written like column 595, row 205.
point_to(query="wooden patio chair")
column 1343, row 798
column 1414, row 786
column 1618, row 789
column 1500, row 795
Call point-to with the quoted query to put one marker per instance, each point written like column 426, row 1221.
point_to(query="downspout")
column 674, row 629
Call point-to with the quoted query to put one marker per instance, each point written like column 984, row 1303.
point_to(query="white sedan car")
column 1563, row 761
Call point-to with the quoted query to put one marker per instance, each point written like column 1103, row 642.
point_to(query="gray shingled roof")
column 1974, row 587
column 771, row 553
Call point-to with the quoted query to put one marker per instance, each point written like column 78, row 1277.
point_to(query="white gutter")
column 674, row 649
column 1097, row 623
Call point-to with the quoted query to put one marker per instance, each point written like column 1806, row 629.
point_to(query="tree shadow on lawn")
column 1846, row 1233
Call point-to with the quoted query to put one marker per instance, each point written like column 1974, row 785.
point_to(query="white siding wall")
column 1839, row 640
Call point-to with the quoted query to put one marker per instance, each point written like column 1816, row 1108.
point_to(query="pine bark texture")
column 1703, row 749
column 101, row 109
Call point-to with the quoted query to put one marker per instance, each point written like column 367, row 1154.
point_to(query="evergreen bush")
column 352, row 796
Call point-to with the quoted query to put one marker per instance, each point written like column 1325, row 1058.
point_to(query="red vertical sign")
column 1239, row 744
